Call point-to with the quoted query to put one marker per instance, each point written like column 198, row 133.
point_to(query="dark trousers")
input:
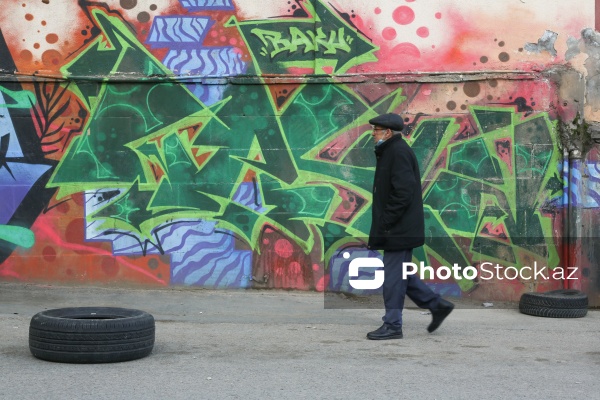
column 395, row 288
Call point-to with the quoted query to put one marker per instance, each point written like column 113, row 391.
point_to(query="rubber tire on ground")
column 562, row 298
column 553, row 312
column 562, row 303
column 87, row 335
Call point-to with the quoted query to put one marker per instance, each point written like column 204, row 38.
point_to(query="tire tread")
column 572, row 299
column 552, row 312
column 72, row 335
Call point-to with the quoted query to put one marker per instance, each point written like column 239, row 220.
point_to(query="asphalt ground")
column 253, row 344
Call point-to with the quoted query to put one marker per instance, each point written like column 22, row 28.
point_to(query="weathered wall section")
column 226, row 145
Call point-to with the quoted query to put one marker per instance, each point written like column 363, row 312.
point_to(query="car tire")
column 87, row 335
column 553, row 312
column 562, row 303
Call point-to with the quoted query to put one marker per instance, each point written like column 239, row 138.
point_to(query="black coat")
column 397, row 219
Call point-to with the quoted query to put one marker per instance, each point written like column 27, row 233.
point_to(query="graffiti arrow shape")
column 324, row 40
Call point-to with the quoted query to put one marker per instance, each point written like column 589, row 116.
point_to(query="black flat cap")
column 390, row 121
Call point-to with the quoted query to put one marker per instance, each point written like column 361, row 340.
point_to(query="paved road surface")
column 286, row 345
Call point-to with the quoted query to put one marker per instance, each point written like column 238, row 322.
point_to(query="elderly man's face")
column 379, row 133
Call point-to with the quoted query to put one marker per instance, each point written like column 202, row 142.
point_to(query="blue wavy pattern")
column 205, row 62
column 575, row 186
column 565, row 178
column 184, row 35
column 208, row 94
column 211, row 262
column 585, row 192
column 198, row 255
column 246, row 196
column 180, row 30
column 175, row 240
column 593, row 199
column 196, row 5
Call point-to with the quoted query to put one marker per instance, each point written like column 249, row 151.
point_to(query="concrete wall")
column 225, row 144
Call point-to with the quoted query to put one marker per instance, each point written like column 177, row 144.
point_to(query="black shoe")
column 385, row 332
column 440, row 313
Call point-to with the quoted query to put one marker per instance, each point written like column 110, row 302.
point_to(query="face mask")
column 379, row 142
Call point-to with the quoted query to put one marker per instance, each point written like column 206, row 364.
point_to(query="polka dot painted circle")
column 403, row 15
column 283, row 248
column 423, row 32
column 389, row 33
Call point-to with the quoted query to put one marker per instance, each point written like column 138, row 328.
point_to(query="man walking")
column 398, row 226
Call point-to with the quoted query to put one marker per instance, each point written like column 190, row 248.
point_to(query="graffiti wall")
column 226, row 144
